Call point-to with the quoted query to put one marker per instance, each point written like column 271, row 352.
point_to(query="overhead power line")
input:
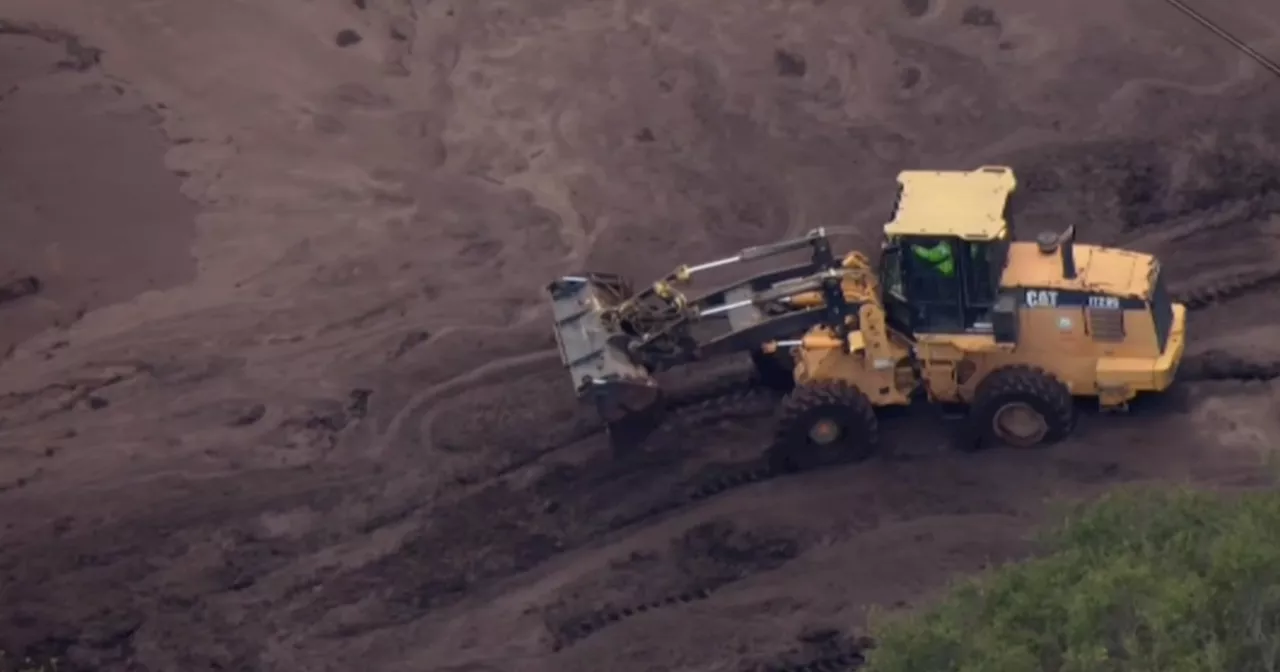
column 1222, row 32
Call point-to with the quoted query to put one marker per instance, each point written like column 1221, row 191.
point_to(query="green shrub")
column 1142, row 581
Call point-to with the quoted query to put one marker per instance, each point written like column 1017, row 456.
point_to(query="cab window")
column 893, row 290
column 891, row 273
column 933, row 284
column 981, row 284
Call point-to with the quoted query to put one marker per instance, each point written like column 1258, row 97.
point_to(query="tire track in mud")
column 524, row 363
column 492, row 528
column 735, row 402
column 712, row 556
column 1219, row 365
column 728, row 396
column 735, row 395
column 834, row 652
column 843, row 662
column 589, row 625
column 730, row 478
column 1224, row 212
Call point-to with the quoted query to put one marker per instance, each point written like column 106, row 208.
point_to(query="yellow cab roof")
column 966, row 204
column 1099, row 270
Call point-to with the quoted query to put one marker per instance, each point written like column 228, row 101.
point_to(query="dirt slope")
column 290, row 402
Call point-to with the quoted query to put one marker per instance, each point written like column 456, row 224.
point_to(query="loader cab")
column 945, row 250
column 940, row 285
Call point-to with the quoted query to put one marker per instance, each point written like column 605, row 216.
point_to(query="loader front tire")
column 822, row 424
column 1022, row 407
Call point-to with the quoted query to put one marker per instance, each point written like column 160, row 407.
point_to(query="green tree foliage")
column 1142, row 581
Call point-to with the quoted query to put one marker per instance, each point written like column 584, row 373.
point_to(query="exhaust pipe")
column 1064, row 244
column 1068, row 252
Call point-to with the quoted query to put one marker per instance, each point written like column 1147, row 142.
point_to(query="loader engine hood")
column 1098, row 270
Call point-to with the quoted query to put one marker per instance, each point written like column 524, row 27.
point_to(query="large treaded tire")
column 776, row 370
column 1029, row 386
column 839, row 404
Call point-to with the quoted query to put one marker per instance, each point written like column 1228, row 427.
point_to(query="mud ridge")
column 822, row 650
column 1227, row 289
column 1180, row 226
column 31, row 406
column 535, row 456
column 844, row 662
column 749, row 398
column 716, row 393
column 1204, row 212
column 20, row 288
column 1217, row 365
column 80, row 57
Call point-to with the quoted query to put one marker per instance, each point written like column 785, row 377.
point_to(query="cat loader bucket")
column 595, row 347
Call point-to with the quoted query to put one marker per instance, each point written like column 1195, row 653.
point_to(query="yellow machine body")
column 1097, row 319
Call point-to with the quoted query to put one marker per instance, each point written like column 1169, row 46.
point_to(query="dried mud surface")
column 289, row 400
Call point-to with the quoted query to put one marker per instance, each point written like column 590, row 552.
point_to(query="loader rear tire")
column 776, row 370
column 822, row 424
column 1022, row 407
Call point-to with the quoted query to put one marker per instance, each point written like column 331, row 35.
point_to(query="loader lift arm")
column 736, row 319
column 611, row 337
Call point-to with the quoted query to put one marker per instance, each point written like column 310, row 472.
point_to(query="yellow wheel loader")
column 958, row 312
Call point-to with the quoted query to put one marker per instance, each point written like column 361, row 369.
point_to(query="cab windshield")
column 891, row 272
column 893, row 289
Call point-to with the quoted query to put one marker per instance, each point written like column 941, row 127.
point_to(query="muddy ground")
column 289, row 400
